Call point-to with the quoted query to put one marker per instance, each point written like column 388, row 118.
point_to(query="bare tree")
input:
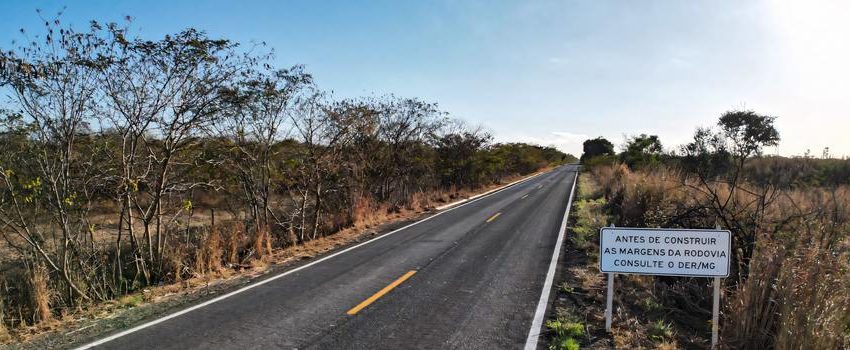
column 324, row 129
column 55, row 90
column 406, row 127
column 718, row 158
column 256, row 123
column 162, row 94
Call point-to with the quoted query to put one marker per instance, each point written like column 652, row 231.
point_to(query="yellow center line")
column 381, row 293
column 494, row 217
column 523, row 197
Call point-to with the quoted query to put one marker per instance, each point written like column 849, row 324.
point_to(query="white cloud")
column 568, row 136
column 557, row 60
column 563, row 140
column 680, row 63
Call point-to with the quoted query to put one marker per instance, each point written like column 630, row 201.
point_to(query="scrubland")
column 131, row 165
column 789, row 282
column 792, row 292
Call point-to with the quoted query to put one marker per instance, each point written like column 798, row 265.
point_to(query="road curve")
column 469, row 278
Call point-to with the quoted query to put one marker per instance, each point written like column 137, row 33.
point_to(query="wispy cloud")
column 565, row 141
column 680, row 63
column 568, row 136
column 557, row 60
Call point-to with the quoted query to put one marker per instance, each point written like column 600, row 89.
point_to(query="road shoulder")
column 575, row 315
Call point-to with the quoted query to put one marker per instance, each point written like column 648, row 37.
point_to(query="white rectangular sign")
column 668, row 252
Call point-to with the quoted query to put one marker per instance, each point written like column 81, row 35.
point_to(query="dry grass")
column 40, row 294
column 262, row 244
column 173, row 266
column 208, row 256
column 4, row 333
column 367, row 212
column 792, row 300
column 232, row 240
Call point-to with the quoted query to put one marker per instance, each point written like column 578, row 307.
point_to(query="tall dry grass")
column 813, row 312
column 208, row 256
column 262, row 243
column 233, row 236
column 40, row 294
column 367, row 212
column 796, row 294
column 4, row 333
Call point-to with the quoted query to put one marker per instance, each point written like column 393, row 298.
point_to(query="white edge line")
column 537, row 323
column 267, row 280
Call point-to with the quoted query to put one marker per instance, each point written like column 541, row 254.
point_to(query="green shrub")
column 650, row 305
column 660, row 331
column 131, row 300
column 565, row 344
column 566, row 333
column 590, row 217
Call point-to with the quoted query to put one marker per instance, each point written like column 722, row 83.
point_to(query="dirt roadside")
column 575, row 318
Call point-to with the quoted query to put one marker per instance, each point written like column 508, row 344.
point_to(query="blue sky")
column 550, row 72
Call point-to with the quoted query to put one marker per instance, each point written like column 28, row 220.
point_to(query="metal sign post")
column 715, row 312
column 609, row 302
column 665, row 252
column 609, row 305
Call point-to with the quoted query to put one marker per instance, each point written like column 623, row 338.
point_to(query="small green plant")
column 650, row 305
column 565, row 344
column 590, row 216
column 566, row 333
column 660, row 331
column 565, row 328
column 131, row 300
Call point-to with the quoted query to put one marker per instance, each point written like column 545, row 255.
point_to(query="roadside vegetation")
column 129, row 162
column 789, row 287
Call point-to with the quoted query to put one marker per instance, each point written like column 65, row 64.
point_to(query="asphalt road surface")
column 467, row 278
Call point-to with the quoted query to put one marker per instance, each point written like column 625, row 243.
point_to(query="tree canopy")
column 596, row 147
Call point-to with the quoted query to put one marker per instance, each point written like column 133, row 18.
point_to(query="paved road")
column 469, row 278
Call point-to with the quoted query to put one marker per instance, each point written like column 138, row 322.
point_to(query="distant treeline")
column 646, row 151
column 112, row 143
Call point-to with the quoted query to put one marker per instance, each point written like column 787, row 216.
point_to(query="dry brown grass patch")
column 4, row 333
column 212, row 252
column 40, row 294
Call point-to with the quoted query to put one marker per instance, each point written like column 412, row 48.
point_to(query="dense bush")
column 642, row 151
column 598, row 147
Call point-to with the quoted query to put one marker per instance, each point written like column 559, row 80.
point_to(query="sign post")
column 609, row 301
column 609, row 305
column 665, row 252
column 715, row 313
